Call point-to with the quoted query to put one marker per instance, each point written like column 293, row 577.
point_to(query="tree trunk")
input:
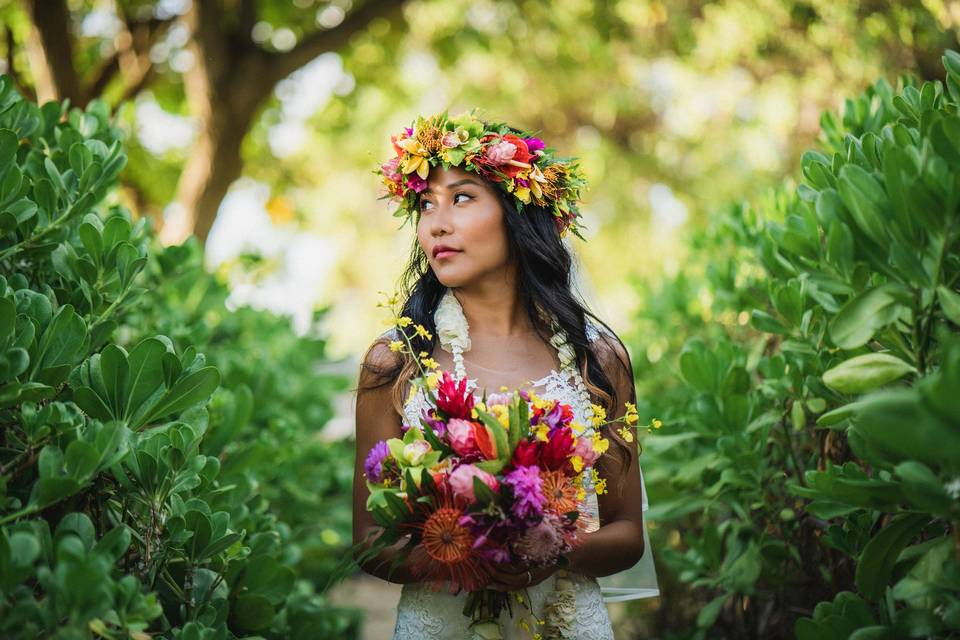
column 230, row 80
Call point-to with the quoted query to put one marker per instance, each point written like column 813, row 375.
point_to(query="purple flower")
column 409, row 130
column 523, row 183
column 438, row 426
column 527, row 492
column 373, row 466
column 534, row 144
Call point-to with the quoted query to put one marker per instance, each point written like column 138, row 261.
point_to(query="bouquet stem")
column 483, row 607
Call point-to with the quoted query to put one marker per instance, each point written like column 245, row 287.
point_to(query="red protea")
column 453, row 397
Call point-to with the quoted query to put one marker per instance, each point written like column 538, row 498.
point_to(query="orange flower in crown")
column 516, row 161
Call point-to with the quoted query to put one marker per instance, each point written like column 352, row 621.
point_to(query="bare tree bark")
column 50, row 50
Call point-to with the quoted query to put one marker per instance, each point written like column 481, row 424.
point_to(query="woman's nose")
column 440, row 221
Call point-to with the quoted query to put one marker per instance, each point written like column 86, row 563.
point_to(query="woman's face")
column 461, row 211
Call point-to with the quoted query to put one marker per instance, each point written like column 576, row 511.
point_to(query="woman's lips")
column 446, row 254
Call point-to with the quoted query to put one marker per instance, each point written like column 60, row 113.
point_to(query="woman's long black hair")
column 544, row 279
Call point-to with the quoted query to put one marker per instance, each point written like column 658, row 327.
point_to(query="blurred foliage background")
column 255, row 126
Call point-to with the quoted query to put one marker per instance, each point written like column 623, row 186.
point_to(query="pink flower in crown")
column 501, row 152
column 415, row 182
column 461, row 480
column 390, row 169
column 534, row 144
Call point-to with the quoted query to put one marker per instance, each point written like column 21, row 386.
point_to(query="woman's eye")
column 423, row 203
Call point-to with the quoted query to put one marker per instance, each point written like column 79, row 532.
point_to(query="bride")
column 490, row 278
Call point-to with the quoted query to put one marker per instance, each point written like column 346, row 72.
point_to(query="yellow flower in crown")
column 515, row 160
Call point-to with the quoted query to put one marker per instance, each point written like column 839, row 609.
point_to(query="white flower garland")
column 453, row 332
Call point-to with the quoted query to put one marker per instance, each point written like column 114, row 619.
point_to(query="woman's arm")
column 618, row 544
column 376, row 420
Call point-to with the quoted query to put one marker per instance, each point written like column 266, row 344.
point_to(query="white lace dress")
column 426, row 614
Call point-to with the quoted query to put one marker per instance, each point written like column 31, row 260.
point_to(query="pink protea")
column 390, row 170
column 461, row 481
column 541, row 544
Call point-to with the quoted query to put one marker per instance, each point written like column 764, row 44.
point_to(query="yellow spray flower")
column 599, row 415
column 396, row 345
column 626, row 433
column 541, row 432
column 430, row 363
column 502, row 413
column 403, row 321
column 422, row 331
column 581, row 494
column 630, row 417
column 600, row 444
column 577, row 427
column 577, row 463
column 432, row 380
column 601, row 486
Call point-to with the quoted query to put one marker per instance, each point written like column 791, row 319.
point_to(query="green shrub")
column 811, row 465
column 145, row 428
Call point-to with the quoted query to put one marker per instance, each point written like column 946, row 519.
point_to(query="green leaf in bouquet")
column 491, row 466
column 412, row 435
column 514, row 433
column 435, row 443
column 483, row 493
column 396, row 448
column 397, row 505
column 498, row 433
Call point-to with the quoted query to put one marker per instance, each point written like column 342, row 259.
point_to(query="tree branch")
column 18, row 84
column 283, row 64
column 51, row 51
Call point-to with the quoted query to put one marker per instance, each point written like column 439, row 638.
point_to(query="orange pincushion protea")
column 446, row 549
column 445, row 540
column 559, row 491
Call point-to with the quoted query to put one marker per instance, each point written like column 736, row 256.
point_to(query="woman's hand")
column 513, row 577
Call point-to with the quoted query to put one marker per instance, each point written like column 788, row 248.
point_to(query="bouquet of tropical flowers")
column 495, row 481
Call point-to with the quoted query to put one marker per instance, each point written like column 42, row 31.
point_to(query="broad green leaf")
column 862, row 316
column 875, row 564
column 865, row 372
column 949, row 304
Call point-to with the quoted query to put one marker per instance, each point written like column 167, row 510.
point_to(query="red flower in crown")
column 453, row 397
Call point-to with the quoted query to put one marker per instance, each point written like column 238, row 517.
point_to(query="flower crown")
column 516, row 160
